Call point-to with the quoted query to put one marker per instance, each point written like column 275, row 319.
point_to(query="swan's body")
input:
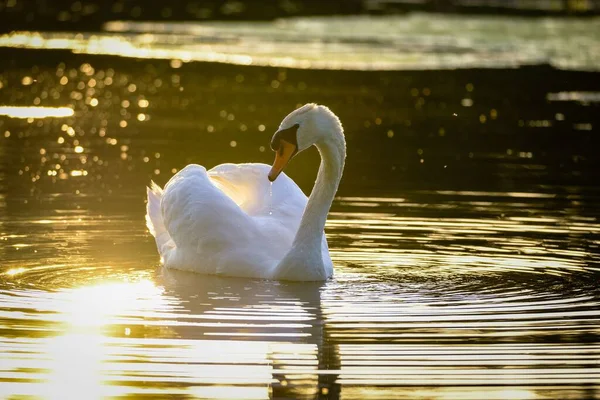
column 228, row 221
column 232, row 221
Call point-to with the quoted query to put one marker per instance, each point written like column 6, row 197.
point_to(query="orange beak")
column 283, row 155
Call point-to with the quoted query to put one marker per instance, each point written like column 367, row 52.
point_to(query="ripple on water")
column 495, row 241
column 422, row 299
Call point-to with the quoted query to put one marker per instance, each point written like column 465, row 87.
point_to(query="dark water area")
column 515, row 129
column 465, row 234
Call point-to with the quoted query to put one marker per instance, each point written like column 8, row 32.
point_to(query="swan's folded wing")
column 213, row 234
column 197, row 214
column 276, row 209
column 248, row 186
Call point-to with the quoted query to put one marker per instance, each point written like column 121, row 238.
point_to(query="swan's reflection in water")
column 273, row 329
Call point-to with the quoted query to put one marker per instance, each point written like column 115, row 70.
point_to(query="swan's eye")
column 288, row 134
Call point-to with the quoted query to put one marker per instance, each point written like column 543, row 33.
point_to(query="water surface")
column 413, row 41
column 465, row 235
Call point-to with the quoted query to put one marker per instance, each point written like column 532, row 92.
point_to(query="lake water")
column 465, row 236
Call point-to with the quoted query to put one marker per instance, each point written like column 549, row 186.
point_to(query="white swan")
column 233, row 221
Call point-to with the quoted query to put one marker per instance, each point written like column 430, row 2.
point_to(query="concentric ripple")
column 424, row 301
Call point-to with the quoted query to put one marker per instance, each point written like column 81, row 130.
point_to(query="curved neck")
column 312, row 225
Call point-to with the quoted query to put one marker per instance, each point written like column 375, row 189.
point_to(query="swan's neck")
column 312, row 225
column 304, row 261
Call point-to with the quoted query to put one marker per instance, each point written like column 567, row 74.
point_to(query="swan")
column 252, row 220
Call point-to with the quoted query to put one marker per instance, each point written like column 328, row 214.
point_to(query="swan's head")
column 302, row 128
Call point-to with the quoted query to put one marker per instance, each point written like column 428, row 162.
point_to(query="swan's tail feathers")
column 154, row 220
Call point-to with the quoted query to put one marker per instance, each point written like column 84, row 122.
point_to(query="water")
column 413, row 41
column 465, row 235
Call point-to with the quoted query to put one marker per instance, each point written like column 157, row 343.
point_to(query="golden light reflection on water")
column 102, row 347
column 73, row 364
column 36, row 112
column 450, row 393
column 99, row 305
column 439, row 305
column 15, row 271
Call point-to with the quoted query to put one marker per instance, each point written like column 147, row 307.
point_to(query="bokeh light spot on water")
column 466, row 102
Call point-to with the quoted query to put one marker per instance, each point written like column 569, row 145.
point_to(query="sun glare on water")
column 36, row 112
column 77, row 360
column 100, row 335
column 99, row 305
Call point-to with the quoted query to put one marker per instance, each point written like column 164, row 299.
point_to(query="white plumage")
column 232, row 221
